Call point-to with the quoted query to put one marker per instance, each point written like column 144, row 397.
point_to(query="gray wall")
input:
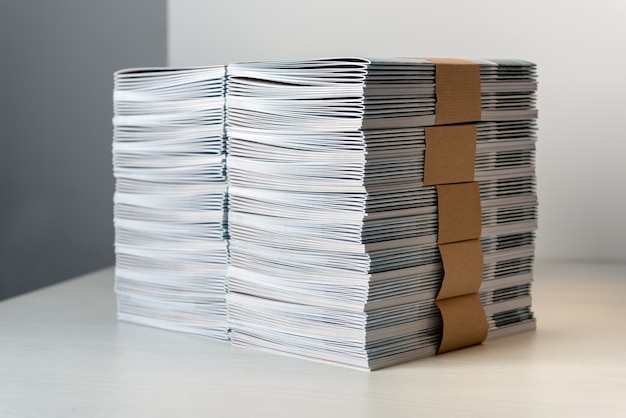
column 577, row 44
column 57, row 60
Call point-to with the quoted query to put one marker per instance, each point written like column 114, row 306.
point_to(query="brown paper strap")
column 463, row 268
column 459, row 212
column 464, row 322
column 457, row 85
column 450, row 154
column 449, row 163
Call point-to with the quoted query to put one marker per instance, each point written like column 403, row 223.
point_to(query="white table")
column 62, row 353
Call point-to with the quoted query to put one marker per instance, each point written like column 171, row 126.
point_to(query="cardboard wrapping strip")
column 450, row 154
column 463, row 268
column 464, row 322
column 449, row 163
column 459, row 212
column 457, row 85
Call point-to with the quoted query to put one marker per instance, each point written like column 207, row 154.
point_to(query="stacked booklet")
column 376, row 210
column 335, row 250
column 170, row 201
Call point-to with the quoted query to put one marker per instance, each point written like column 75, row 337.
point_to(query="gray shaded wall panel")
column 56, row 81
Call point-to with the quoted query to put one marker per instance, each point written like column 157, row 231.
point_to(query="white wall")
column 578, row 45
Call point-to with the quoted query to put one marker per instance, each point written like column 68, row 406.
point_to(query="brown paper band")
column 464, row 322
column 450, row 154
column 463, row 268
column 459, row 212
column 457, row 85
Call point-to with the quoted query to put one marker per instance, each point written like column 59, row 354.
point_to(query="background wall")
column 56, row 81
column 578, row 46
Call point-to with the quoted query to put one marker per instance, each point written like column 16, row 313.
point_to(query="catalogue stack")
column 170, row 202
column 381, row 210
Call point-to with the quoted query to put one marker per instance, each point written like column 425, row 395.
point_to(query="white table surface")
column 63, row 354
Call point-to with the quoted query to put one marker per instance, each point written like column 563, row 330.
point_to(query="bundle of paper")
column 170, row 198
column 336, row 240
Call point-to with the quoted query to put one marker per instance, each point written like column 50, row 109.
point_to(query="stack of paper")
column 170, row 198
column 333, row 236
